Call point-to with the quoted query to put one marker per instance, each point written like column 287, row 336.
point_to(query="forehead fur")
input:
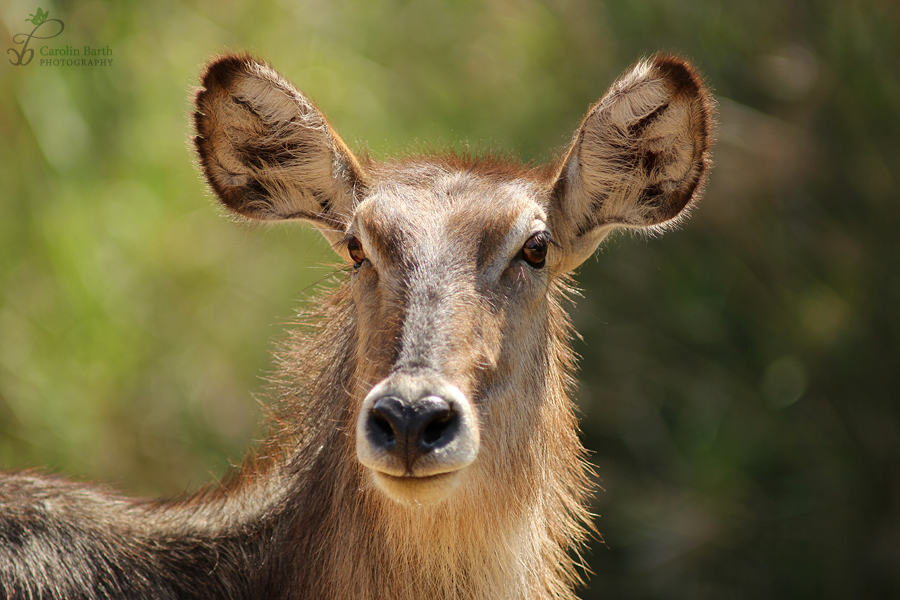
column 483, row 189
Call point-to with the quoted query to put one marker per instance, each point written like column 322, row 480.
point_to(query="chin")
column 419, row 491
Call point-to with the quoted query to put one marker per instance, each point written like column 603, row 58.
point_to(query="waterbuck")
column 423, row 443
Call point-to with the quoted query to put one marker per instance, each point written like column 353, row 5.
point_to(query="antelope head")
column 457, row 265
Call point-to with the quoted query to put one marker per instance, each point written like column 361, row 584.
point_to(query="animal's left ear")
column 638, row 160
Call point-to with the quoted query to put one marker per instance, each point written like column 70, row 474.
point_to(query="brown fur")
column 441, row 303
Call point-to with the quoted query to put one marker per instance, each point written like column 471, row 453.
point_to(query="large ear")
column 268, row 153
column 639, row 158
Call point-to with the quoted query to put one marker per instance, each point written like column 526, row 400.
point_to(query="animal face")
column 450, row 279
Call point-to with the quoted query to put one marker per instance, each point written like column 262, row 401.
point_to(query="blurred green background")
column 739, row 382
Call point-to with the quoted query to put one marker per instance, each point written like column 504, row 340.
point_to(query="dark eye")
column 354, row 248
column 535, row 249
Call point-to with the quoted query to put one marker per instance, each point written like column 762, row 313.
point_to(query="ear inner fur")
column 640, row 156
column 268, row 153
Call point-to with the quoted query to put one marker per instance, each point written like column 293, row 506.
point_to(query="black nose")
column 409, row 430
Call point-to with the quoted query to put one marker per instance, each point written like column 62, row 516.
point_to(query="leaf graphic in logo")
column 38, row 17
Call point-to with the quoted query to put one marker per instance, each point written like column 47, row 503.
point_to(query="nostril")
column 383, row 427
column 388, row 422
column 437, row 428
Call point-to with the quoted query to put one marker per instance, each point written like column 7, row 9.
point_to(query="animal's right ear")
column 268, row 153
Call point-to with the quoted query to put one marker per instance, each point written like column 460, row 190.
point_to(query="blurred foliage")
column 739, row 377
